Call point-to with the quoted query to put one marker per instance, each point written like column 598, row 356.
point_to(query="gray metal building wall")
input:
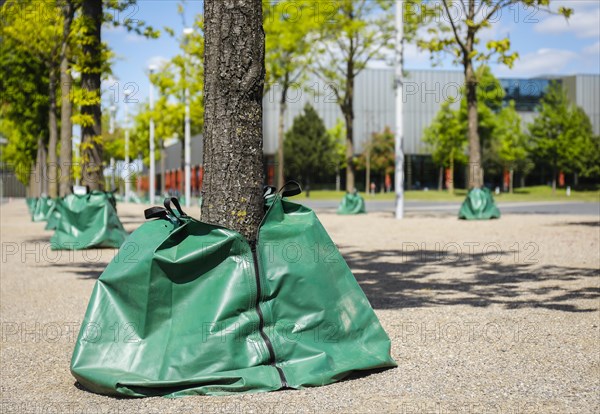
column 374, row 106
column 584, row 90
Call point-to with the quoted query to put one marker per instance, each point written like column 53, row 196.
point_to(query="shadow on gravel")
column 84, row 270
column 585, row 223
column 395, row 279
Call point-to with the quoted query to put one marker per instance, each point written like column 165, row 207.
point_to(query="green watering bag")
column 189, row 308
column 43, row 208
column 31, row 203
column 352, row 203
column 87, row 221
column 479, row 205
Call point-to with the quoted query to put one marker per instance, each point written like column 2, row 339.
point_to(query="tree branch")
column 456, row 36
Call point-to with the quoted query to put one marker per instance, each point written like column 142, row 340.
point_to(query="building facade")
column 423, row 93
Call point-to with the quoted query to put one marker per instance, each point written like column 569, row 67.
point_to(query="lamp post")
column 111, row 130
column 187, row 140
column 398, row 145
column 152, row 172
column 127, row 166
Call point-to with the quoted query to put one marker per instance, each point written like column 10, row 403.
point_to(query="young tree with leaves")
column 562, row 134
column 290, row 27
column 446, row 139
column 356, row 32
column 310, row 152
column 43, row 45
column 380, row 153
column 511, row 141
column 453, row 28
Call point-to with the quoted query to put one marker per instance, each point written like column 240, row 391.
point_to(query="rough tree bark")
column 475, row 167
column 91, row 148
column 66, row 107
column 233, row 89
column 348, row 110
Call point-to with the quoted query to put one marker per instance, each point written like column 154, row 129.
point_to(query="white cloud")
column 584, row 23
column 158, row 61
column 541, row 62
column 593, row 49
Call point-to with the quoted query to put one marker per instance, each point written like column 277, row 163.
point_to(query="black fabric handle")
column 175, row 202
column 155, row 212
column 295, row 189
column 269, row 190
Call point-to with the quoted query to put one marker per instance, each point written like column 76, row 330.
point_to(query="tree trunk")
column 163, row 175
column 554, row 179
column 91, row 148
column 510, row 180
column 52, row 135
column 66, row 107
column 368, row 169
column 281, row 130
column 475, row 168
column 451, row 180
column 441, row 179
column 233, row 89
column 348, row 111
column 66, row 129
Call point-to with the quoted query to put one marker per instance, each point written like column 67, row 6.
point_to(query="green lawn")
column 538, row 193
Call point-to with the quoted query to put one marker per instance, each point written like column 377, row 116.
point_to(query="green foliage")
column 453, row 28
column 562, row 134
column 185, row 70
column 510, row 140
column 381, row 152
column 290, row 27
column 355, row 32
column 337, row 135
column 446, row 137
column 309, row 151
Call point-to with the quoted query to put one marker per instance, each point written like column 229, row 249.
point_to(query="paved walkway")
column 579, row 208
column 494, row 316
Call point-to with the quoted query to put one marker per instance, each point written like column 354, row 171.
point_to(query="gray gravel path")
column 500, row 316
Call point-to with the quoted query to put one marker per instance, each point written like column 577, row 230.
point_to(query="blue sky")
column 546, row 43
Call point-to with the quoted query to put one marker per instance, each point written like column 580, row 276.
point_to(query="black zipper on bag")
column 261, row 320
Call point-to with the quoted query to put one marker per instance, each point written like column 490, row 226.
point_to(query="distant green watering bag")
column 87, row 221
column 188, row 308
column 479, row 205
column 352, row 203
column 43, row 208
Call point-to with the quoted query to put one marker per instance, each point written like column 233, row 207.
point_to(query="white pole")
column 127, row 172
column 188, row 150
column 152, row 172
column 398, row 147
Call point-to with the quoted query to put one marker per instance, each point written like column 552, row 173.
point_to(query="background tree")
column 310, row 152
column 548, row 129
column 337, row 134
column 91, row 111
column 585, row 146
column 356, row 32
column 233, row 90
column 289, row 36
column 511, row 141
column 453, row 28
column 24, row 106
column 43, row 45
column 446, row 139
column 68, row 8
column 381, row 153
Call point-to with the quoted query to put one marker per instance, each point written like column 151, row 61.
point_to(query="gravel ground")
column 497, row 316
